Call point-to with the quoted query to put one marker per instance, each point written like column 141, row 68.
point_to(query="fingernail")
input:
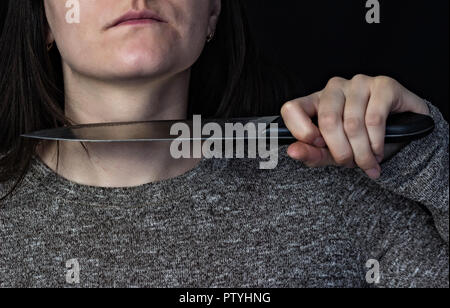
column 373, row 173
column 319, row 142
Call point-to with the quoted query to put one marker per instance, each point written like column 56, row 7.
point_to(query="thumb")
column 311, row 156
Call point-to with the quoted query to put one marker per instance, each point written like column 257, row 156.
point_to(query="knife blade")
column 400, row 128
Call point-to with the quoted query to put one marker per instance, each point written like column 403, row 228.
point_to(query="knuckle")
column 360, row 79
column 329, row 121
column 365, row 160
column 383, row 82
column 335, row 82
column 353, row 125
column 359, row 87
column 288, row 107
column 343, row 159
column 305, row 135
column 308, row 135
column 375, row 119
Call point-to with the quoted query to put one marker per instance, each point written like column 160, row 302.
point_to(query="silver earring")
column 210, row 37
column 49, row 46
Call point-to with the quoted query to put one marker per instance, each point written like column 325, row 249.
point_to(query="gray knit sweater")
column 228, row 224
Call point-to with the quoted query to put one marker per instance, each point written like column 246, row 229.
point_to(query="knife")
column 400, row 128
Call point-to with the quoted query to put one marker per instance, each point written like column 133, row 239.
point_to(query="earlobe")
column 50, row 40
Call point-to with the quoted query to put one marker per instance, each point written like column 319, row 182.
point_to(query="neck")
column 98, row 101
column 120, row 164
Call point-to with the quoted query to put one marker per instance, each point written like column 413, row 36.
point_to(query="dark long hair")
column 228, row 80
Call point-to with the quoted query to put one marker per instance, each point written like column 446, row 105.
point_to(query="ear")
column 50, row 38
column 216, row 8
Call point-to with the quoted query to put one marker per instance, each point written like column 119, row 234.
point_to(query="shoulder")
column 4, row 184
column 6, row 192
column 17, row 189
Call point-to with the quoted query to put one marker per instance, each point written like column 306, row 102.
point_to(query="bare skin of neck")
column 120, row 164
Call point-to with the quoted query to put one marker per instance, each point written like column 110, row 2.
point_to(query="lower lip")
column 138, row 22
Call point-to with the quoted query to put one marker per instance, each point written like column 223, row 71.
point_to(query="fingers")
column 356, row 106
column 330, row 114
column 297, row 116
column 352, row 122
column 378, row 109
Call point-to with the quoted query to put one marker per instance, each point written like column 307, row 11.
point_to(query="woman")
column 130, row 215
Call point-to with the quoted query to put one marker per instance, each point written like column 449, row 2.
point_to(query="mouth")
column 136, row 18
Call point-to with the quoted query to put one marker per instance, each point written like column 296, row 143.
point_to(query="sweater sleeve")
column 401, row 220
column 419, row 172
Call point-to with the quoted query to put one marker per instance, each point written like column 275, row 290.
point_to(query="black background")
column 320, row 39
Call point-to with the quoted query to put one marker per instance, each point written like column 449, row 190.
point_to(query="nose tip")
column 139, row 5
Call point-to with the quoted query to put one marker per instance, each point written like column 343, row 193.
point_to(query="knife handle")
column 400, row 128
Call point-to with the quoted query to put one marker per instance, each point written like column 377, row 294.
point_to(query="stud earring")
column 210, row 37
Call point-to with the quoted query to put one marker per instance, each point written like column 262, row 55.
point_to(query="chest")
column 198, row 241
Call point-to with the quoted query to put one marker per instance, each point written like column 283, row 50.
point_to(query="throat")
column 114, row 165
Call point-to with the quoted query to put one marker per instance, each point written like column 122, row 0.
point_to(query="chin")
column 142, row 64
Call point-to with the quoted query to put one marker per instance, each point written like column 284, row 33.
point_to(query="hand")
column 352, row 118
